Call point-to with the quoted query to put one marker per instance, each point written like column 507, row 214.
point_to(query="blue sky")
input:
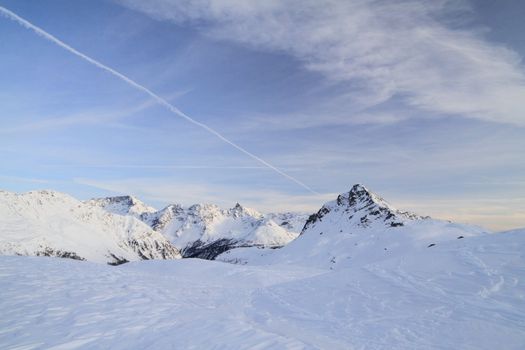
column 421, row 101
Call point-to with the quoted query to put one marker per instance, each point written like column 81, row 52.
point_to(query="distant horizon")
column 159, row 205
column 269, row 104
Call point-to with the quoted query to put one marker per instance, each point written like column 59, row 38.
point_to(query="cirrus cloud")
column 403, row 49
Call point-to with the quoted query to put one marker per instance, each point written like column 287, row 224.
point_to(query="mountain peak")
column 204, row 208
column 361, row 207
column 238, row 210
column 122, row 205
column 359, row 195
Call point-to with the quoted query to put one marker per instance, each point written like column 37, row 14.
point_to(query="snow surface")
column 460, row 294
column 55, row 224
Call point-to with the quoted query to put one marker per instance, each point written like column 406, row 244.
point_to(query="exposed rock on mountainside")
column 362, row 208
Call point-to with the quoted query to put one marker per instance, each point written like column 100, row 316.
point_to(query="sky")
column 421, row 101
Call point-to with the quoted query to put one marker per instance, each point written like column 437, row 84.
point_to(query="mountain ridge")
column 363, row 207
column 50, row 223
column 205, row 230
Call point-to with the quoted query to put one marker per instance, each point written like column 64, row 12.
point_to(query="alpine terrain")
column 206, row 230
column 361, row 275
column 358, row 227
column 48, row 223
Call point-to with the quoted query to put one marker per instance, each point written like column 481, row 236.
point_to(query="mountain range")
column 358, row 274
column 357, row 225
column 206, row 230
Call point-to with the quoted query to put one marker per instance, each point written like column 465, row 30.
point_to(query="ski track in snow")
column 464, row 294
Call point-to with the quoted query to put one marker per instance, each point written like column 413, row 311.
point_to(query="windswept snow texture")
column 206, row 230
column 48, row 223
column 357, row 228
column 461, row 294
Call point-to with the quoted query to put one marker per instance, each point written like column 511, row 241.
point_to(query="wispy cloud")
column 168, row 190
column 26, row 179
column 108, row 117
column 256, row 122
column 83, row 118
column 383, row 49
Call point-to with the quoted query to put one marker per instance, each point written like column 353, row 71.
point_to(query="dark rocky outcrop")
column 363, row 208
column 58, row 254
column 208, row 251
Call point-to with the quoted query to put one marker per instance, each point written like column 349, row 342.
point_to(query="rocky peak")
column 359, row 195
column 129, row 201
column 122, row 205
column 361, row 207
column 240, row 211
column 205, row 209
column 159, row 220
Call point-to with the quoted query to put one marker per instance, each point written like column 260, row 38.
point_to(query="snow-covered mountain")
column 361, row 275
column 358, row 227
column 122, row 205
column 48, row 223
column 206, row 230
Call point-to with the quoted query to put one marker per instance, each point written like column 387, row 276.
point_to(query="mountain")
column 206, row 230
column 358, row 208
column 362, row 274
column 122, row 205
column 48, row 223
column 358, row 227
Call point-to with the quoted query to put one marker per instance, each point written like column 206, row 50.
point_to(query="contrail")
column 39, row 31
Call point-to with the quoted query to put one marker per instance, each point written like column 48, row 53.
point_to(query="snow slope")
column 55, row 224
column 358, row 227
column 461, row 294
column 206, row 230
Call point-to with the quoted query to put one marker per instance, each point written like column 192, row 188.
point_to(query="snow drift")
column 461, row 294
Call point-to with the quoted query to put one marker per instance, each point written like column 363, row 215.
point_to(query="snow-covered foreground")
column 461, row 294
